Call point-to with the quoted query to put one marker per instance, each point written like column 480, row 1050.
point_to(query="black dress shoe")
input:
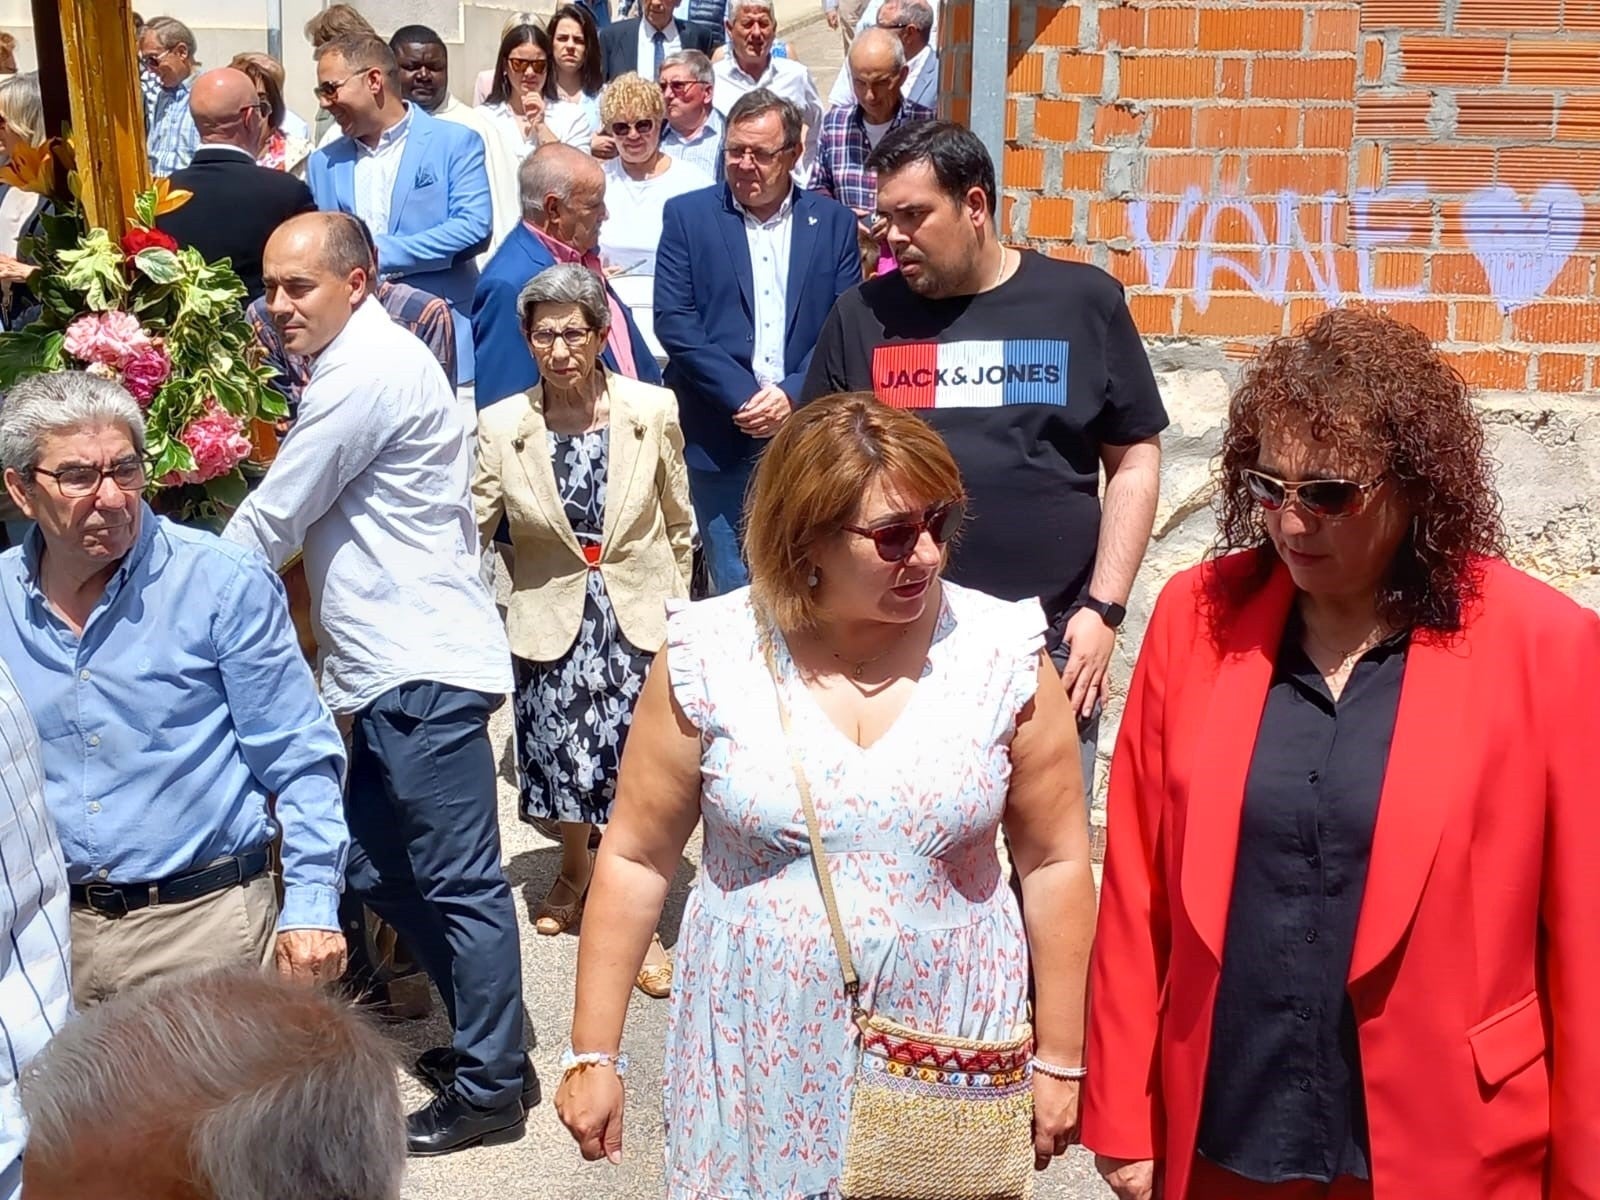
column 437, row 1068
column 448, row 1123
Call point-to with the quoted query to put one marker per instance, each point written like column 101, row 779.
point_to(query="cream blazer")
column 645, row 548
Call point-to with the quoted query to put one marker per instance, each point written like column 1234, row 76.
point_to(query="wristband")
column 1055, row 1072
column 570, row 1062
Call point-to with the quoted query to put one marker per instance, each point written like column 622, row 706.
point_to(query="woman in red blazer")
column 1349, row 938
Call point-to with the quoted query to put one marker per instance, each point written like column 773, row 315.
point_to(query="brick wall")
column 1243, row 164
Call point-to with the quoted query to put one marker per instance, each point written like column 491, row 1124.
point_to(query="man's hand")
column 1090, row 641
column 833, row 18
column 764, row 412
column 310, row 956
column 1130, row 1179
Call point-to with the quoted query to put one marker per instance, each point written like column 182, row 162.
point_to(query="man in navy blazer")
column 631, row 45
column 418, row 182
column 563, row 204
column 746, row 274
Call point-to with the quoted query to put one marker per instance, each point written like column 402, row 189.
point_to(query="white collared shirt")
column 785, row 77
column 373, row 481
column 921, row 86
column 769, row 242
column 376, row 170
column 671, row 44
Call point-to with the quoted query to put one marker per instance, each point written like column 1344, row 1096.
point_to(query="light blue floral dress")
column 760, row 1051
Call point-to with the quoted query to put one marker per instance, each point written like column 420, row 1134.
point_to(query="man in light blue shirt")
column 172, row 701
column 166, row 50
column 693, row 132
column 35, row 1000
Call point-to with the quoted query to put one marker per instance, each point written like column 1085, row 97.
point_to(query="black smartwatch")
column 1111, row 614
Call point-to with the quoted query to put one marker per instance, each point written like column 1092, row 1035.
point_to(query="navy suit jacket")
column 505, row 364
column 619, row 43
column 705, row 314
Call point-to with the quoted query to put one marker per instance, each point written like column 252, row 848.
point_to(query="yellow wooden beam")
column 107, row 108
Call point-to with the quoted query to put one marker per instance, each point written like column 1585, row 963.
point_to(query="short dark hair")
column 959, row 159
column 416, row 35
column 347, row 245
column 758, row 102
column 364, row 52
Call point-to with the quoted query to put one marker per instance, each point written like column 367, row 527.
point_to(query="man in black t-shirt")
column 1031, row 369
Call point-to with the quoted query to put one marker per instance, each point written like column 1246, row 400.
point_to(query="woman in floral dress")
column 924, row 716
column 587, row 469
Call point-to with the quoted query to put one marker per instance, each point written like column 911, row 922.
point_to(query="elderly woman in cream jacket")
column 587, row 469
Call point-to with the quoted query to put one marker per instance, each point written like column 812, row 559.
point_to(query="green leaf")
column 229, row 490
column 21, row 354
column 144, row 207
column 53, row 357
column 158, row 265
column 94, row 269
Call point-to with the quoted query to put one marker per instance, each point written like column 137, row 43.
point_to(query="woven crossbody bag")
column 932, row 1117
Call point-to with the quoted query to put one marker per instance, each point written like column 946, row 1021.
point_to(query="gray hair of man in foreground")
column 60, row 402
column 270, row 1090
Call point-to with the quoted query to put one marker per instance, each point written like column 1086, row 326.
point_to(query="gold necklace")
column 1367, row 643
column 858, row 667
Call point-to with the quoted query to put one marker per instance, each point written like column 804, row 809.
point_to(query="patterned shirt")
column 425, row 315
column 841, row 170
column 703, row 150
column 173, row 137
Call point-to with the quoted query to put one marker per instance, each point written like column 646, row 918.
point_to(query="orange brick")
column 1557, row 323
column 1024, row 168
column 961, row 111
column 1563, row 372
column 1372, row 55
column 1172, row 127
column 1057, row 27
column 1570, row 63
column 1369, row 165
column 1458, row 275
column 1072, row 253
column 1575, row 278
column 1579, row 119
column 1241, row 223
column 1026, row 74
column 1080, row 74
column 1121, row 26
column 960, row 24
column 1233, row 80
column 1128, row 268
column 1481, row 321
column 1051, row 218
column 1503, row 115
column 1306, row 173
column 1581, row 16
column 1154, row 315
column 1492, row 368
column 1172, row 174
column 1430, row 316
column 1231, row 316
column 1008, row 205
column 1445, row 169
column 1328, row 128
column 1303, row 309
column 1335, row 29
column 1084, row 170
column 1402, row 14
column 1252, row 29
column 1393, row 114
column 1056, row 120
column 1528, row 168
column 1303, row 79
column 1523, row 15
column 1271, row 127
column 1398, row 270
column 1116, row 123
column 1168, row 77
column 1312, row 274
column 1108, row 220
column 1169, row 28
column 1455, row 61
column 1401, row 220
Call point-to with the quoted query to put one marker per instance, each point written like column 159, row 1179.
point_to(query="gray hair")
column 758, row 102
column 172, row 32
column 867, row 38
column 549, row 170
column 272, row 1089
column 699, row 65
column 916, row 13
column 22, row 106
column 566, row 283
column 735, row 7
column 59, row 402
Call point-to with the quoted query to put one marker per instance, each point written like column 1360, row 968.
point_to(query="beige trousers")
column 849, row 18
column 236, row 926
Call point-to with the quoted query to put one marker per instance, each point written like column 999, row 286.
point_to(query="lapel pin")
column 516, row 444
column 811, row 220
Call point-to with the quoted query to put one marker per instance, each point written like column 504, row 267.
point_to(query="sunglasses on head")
column 1331, row 498
column 896, row 540
column 621, row 128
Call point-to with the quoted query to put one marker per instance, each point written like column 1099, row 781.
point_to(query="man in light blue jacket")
column 419, row 183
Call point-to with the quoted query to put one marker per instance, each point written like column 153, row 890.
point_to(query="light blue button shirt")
column 183, row 706
column 35, row 963
column 704, row 150
column 173, row 136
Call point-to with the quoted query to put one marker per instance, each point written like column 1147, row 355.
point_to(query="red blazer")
column 1476, row 972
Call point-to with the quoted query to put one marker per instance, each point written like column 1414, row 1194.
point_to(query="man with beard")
column 1033, row 372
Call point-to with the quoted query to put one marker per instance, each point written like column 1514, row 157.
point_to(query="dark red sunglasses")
column 896, row 540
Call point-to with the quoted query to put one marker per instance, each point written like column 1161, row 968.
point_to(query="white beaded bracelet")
column 1055, row 1072
column 570, row 1062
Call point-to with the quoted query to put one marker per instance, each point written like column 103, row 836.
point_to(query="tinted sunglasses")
column 621, row 128
column 896, row 540
column 1331, row 498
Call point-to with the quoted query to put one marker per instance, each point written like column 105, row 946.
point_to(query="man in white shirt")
column 915, row 23
column 694, row 128
column 752, row 28
column 35, row 999
column 372, row 482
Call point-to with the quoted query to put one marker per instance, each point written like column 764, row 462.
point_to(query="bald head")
column 877, row 73
column 317, row 269
column 225, row 108
column 563, row 194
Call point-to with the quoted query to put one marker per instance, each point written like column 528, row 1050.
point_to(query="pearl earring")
column 811, row 580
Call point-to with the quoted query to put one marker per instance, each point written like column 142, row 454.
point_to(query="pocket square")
column 425, row 178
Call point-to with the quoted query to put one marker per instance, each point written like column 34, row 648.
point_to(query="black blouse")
column 1283, row 1097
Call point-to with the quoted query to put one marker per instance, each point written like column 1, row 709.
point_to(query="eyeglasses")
column 153, row 61
column 679, row 86
column 895, row 26
column 621, row 128
column 543, row 339
column 896, row 540
column 762, row 158
column 527, row 66
column 80, row 481
column 330, row 90
column 1330, row 498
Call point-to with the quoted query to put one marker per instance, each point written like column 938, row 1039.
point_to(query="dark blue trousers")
column 425, row 856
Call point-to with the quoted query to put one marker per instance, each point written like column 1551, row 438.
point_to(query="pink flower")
column 217, row 441
column 109, row 337
column 145, row 371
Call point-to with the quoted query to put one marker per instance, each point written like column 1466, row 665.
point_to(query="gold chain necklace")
column 856, row 668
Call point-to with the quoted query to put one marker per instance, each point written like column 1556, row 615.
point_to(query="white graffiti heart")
column 1523, row 248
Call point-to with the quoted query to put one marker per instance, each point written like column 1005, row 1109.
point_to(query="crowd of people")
column 814, row 509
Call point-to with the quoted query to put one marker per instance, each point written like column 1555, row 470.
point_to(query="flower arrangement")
column 159, row 319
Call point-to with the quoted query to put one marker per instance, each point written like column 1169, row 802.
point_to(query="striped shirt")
column 35, row 968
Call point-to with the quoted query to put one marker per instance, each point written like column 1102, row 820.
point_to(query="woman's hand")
column 13, row 270
column 589, row 1103
column 1055, row 1118
column 602, row 146
column 1129, row 1178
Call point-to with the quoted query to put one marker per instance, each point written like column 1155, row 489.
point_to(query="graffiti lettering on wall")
column 1521, row 247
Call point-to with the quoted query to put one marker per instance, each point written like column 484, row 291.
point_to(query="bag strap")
column 819, row 856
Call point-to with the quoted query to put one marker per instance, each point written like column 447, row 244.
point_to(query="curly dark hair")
column 1376, row 390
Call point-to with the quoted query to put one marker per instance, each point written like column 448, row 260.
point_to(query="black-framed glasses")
column 331, row 89
column 81, row 480
column 762, row 158
column 896, row 540
column 543, row 339
column 643, row 128
column 527, row 66
column 1327, row 498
